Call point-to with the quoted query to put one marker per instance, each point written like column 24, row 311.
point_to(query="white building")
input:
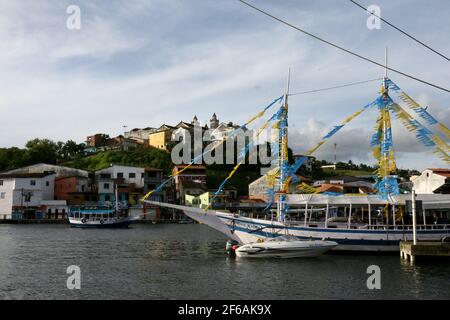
column 127, row 173
column 22, row 194
column 432, row 181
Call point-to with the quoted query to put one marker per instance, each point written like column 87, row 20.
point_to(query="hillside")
column 149, row 157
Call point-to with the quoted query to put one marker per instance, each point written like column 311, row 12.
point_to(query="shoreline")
column 64, row 221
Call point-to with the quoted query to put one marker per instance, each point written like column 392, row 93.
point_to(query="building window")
column 106, row 185
column 2, row 195
column 105, row 176
column 132, row 175
column 107, row 198
column 32, row 182
column 1, row 182
column 119, row 174
column 143, row 175
column 47, row 183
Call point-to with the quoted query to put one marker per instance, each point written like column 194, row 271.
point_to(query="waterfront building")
column 210, row 200
column 432, row 181
column 130, row 182
column 195, row 173
column 152, row 179
column 193, row 188
column 21, row 194
column 76, row 190
column 54, row 209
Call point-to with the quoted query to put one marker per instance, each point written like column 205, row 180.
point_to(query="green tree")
column 42, row 150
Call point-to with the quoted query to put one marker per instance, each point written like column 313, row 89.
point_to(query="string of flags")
column 381, row 143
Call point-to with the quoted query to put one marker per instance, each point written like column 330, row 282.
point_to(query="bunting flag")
column 422, row 112
column 383, row 148
column 306, row 188
column 230, row 136
column 424, row 135
column 339, row 127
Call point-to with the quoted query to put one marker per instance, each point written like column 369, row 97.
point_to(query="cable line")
column 335, row 87
column 400, row 30
column 343, row 49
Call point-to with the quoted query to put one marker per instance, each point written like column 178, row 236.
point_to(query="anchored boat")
column 284, row 247
column 100, row 217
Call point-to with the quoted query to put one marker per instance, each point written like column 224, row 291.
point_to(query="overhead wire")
column 400, row 30
column 342, row 48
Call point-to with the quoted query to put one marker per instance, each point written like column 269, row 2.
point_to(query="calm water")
column 188, row 262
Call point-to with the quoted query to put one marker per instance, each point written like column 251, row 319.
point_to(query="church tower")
column 214, row 122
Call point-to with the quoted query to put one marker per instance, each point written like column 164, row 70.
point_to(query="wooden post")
column 306, row 213
column 424, row 217
column 349, row 216
column 393, row 214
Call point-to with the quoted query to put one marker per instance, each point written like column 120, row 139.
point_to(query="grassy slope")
column 150, row 157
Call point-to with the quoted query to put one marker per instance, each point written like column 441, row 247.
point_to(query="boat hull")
column 262, row 251
column 124, row 223
column 247, row 230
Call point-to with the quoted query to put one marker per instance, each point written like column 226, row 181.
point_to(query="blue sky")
column 143, row 63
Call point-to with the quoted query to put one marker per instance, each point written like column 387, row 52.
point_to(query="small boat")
column 284, row 247
column 99, row 217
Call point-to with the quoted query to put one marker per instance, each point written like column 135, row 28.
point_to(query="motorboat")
column 284, row 247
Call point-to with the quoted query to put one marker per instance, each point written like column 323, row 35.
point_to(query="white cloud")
column 145, row 63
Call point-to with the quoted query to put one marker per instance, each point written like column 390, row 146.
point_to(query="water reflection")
column 189, row 262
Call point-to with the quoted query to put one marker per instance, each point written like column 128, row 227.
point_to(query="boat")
column 284, row 247
column 116, row 216
column 99, row 217
column 373, row 222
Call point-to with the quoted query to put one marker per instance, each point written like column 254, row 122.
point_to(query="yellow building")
column 161, row 137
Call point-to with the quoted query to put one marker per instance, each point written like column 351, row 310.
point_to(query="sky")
column 142, row 63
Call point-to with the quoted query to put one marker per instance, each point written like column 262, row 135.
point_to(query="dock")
column 409, row 250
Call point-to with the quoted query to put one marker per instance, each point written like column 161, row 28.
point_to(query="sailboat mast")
column 117, row 199
column 283, row 154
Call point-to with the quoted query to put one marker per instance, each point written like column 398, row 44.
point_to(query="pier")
column 409, row 250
